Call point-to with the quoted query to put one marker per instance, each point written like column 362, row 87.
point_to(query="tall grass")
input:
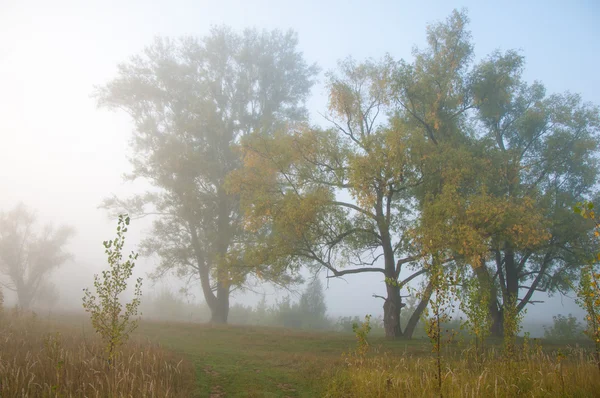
column 42, row 359
column 533, row 374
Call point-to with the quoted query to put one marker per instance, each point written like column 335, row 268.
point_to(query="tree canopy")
column 438, row 160
column 27, row 256
column 191, row 100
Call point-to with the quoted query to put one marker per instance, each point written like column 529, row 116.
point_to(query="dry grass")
column 534, row 374
column 42, row 359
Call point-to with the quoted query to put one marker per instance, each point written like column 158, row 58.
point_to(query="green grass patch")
column 250, row 361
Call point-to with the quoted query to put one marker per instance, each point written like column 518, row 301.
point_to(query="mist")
column 62, row 155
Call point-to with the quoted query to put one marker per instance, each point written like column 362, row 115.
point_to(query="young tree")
column 109, row 319
column 312, row 306
column 588, row 291
column 28, row 257
column 191, row 101
column 474, row 304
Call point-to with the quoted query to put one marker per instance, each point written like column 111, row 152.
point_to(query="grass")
column 40, row 358
column 236, row 361
column 535, row 374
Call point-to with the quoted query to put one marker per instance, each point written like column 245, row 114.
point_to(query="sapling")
column 475, row 305
column 512, row 319
column 588, row 291
column 441, row 306
column 110, row 320
column 362, row 331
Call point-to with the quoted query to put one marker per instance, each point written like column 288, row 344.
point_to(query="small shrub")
column 108, row 318
column 362, row 332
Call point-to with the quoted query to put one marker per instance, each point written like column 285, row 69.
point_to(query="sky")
column 61, row 155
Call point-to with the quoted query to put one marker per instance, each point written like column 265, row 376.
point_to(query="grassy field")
column 236, row 361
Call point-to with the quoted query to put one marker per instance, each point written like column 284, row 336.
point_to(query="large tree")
column 191, row 101
column 544, row 148
column 339, row 199
column 503, row 205
column 27, row 256
column 413, row 172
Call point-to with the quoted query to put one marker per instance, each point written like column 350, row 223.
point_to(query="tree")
column 545, row 151
column 110, row 320
column 502, row 161
column 563, row 328
column 47, row 296
column 436, row 161
column 312, row 307
column 28, row 257
column 588, row 291
column 337, row 199
column 191, row 101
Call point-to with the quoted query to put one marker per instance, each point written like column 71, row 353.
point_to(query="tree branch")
column 337, row 273
column 354, row 207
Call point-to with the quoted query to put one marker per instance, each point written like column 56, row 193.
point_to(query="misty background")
column 61, row 156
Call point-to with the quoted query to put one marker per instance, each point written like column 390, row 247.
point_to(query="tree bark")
column 497, row 328
column 391, row 312
column 219, row 312
column 220, row 308
column 416, row 315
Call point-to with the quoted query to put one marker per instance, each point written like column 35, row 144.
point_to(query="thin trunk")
column 416, row 315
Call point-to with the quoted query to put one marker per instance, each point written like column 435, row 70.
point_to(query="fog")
column 61, row 155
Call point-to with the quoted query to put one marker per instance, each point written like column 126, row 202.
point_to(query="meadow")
column 60, row 357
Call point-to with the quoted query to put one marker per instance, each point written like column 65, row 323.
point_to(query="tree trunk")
column 416, row 315
column 391, row 312
column 512, row 277
column 220, row 308
column 497, row 328
column 219, row 311
column 25, row 298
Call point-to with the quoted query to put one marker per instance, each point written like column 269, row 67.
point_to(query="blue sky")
column 61, row 155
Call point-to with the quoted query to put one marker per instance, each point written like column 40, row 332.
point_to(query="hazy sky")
column 61, row 155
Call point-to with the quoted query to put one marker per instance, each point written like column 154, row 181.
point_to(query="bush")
column 564, row 328
column 169, row 306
